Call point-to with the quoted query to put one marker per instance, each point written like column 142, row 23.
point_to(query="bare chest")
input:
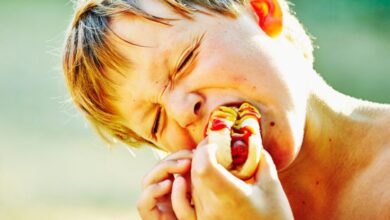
column 365, row 193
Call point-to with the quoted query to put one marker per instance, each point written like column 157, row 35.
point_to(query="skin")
column 323, row 150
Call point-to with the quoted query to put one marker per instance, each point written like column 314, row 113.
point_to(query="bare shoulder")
column 368, row 195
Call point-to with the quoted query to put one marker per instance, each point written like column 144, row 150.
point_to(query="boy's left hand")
column 218, row 194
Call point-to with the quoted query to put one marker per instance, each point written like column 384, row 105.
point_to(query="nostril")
column 197, row 107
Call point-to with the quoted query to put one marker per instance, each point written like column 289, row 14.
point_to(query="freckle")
column 318, row 182
column 303, row 202
column 272, row 123
column 330, row 139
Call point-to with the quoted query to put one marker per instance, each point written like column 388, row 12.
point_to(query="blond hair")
column 89, row 54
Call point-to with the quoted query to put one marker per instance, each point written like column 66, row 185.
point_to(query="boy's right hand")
column 155, row 200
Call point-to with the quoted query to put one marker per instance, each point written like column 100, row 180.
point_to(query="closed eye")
column 189, row 56
column 184, row 63
column 156, row 123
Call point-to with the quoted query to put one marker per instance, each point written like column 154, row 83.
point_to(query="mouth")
column 255, row 112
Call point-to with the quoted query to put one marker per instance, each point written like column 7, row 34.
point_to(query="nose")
column 185, row 108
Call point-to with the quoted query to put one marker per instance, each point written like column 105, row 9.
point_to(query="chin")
column 282, row 136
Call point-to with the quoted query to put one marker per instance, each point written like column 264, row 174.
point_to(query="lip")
column 229, row 104
column 235, row 104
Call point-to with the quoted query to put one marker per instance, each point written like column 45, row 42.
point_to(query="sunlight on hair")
column 131, row 151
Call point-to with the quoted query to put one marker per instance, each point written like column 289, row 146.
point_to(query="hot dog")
column 236, row 131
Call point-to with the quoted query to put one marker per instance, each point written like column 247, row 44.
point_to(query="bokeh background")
column 53, row 166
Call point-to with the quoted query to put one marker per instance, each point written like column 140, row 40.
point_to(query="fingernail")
column 182, row 162
column 179, row 179
column 165, row 182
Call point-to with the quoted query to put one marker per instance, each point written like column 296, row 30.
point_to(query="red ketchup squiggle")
column 240, row 145
column 217, row 125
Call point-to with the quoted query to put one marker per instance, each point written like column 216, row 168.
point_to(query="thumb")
column 208, row 172
column 266, row 171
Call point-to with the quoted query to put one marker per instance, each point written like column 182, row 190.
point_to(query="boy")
column 152, row 71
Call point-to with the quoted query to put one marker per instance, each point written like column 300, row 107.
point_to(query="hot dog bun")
column 236, row 131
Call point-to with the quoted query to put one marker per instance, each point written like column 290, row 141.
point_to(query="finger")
column 147, row 204
column 165, row 170
column 211, row 182
column 266, row 171
column 207, row 172
column 180, row 202
column 181, row 154
column 268, row 181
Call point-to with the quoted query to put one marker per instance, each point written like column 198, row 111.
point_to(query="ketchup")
column 217, row 125
column 239, row 152
column 240, row 136
column 240, row 145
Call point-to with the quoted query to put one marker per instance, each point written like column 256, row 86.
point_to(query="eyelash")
column 187, row 59
column 156, row 123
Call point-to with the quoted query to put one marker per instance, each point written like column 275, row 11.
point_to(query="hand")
column 164, row 196
column 218, row 194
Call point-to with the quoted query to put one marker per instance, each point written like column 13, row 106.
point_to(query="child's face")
column 234, row 62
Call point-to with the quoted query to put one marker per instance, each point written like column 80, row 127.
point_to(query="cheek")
column 250, row 69
column 287, row 111
column 229, row 66
column 284, row 131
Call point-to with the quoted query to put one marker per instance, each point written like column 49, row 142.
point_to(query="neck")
column 337, row 145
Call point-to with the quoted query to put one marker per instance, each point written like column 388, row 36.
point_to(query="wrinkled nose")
column 186, row 108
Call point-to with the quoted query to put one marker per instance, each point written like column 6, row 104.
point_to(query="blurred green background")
column 53, row 166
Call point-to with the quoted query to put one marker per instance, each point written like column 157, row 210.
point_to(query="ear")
column 270, row 16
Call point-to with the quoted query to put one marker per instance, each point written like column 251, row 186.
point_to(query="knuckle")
column 163, row 167
column 151, row 188
column 201, row 170
column 146, row 179
column 166, row 164
column 166, row 167
column 148, row 192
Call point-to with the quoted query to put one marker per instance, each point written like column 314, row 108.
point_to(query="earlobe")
column 270, row 16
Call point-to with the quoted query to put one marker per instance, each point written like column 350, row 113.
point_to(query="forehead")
column 140, row 30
